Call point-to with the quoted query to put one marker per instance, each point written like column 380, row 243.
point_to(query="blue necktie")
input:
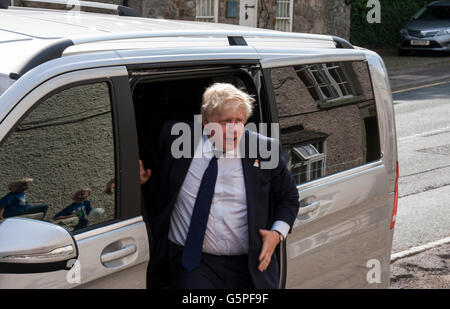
column 194, row 242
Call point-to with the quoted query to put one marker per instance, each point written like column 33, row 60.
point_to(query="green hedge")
column 394, row 14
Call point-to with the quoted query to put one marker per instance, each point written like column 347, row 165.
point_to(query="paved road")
column 423, row 132
column 416, row 76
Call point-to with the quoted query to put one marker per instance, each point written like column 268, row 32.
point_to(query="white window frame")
column 213, row 8
column 337, row 95
column 281, row 20
column 318, row 157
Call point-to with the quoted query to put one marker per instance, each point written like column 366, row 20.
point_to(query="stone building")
column 310, row 16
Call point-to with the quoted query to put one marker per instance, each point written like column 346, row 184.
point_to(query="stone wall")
column 322, row 17
column 337, row 18
column 310, row 16
column 170, row 9
column 266, row 14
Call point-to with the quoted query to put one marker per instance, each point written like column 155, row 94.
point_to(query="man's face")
column 82, row 195
column 232, row 120
column 21, row 187
column 26, row 186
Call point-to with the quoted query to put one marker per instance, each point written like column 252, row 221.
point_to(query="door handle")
column 307, row 209
column 119, row 254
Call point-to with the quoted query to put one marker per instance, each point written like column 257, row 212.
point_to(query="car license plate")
column 420, row 43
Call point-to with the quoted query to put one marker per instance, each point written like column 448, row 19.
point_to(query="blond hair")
column 221, row 95
column 20, row 182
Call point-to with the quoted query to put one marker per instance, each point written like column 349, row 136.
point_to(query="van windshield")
column 434, row 13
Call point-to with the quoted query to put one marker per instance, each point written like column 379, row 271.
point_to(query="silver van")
column 79, row 97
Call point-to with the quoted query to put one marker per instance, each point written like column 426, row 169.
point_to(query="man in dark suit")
column 217, row 208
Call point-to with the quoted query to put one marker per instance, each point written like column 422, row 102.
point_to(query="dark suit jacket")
column 271, row 195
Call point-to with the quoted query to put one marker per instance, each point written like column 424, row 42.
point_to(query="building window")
column 283, row 17
column 330, row 84
column 207, row 10
column 307, row 162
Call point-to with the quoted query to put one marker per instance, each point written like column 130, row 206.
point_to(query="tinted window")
column 327, row 117
column 434, row 13
column 57, row 163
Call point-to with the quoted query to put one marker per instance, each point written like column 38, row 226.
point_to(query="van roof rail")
column 56, row 49
column 119, row 9
column 341, row 43
column 195, row 33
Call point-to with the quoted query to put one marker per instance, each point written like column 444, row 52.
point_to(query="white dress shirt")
column 227, row 228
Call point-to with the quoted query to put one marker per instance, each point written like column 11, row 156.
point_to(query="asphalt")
column 419, row 76
column 423, row 269
column 426, row 270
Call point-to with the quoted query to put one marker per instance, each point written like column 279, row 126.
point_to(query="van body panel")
column 349, row 226
column 126, row 273
column 116, row 247
column 342, row 236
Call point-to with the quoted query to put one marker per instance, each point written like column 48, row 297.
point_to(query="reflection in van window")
column 56, row 164
column 327, row 117
column 331, row 84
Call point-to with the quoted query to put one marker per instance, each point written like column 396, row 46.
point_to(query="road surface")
column 423, row 132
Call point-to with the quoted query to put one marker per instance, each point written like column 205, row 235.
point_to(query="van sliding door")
column 330, row 135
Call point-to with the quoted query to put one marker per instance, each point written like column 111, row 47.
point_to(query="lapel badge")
column 256, row 164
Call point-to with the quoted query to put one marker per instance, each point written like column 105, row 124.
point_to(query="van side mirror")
column 31, row 246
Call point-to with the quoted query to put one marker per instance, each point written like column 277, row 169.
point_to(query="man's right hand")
column 144, row 174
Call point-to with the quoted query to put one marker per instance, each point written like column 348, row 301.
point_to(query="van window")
column 57, row 163
column 328, row 118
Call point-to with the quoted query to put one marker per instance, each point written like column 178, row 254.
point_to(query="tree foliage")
column 394, row 14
